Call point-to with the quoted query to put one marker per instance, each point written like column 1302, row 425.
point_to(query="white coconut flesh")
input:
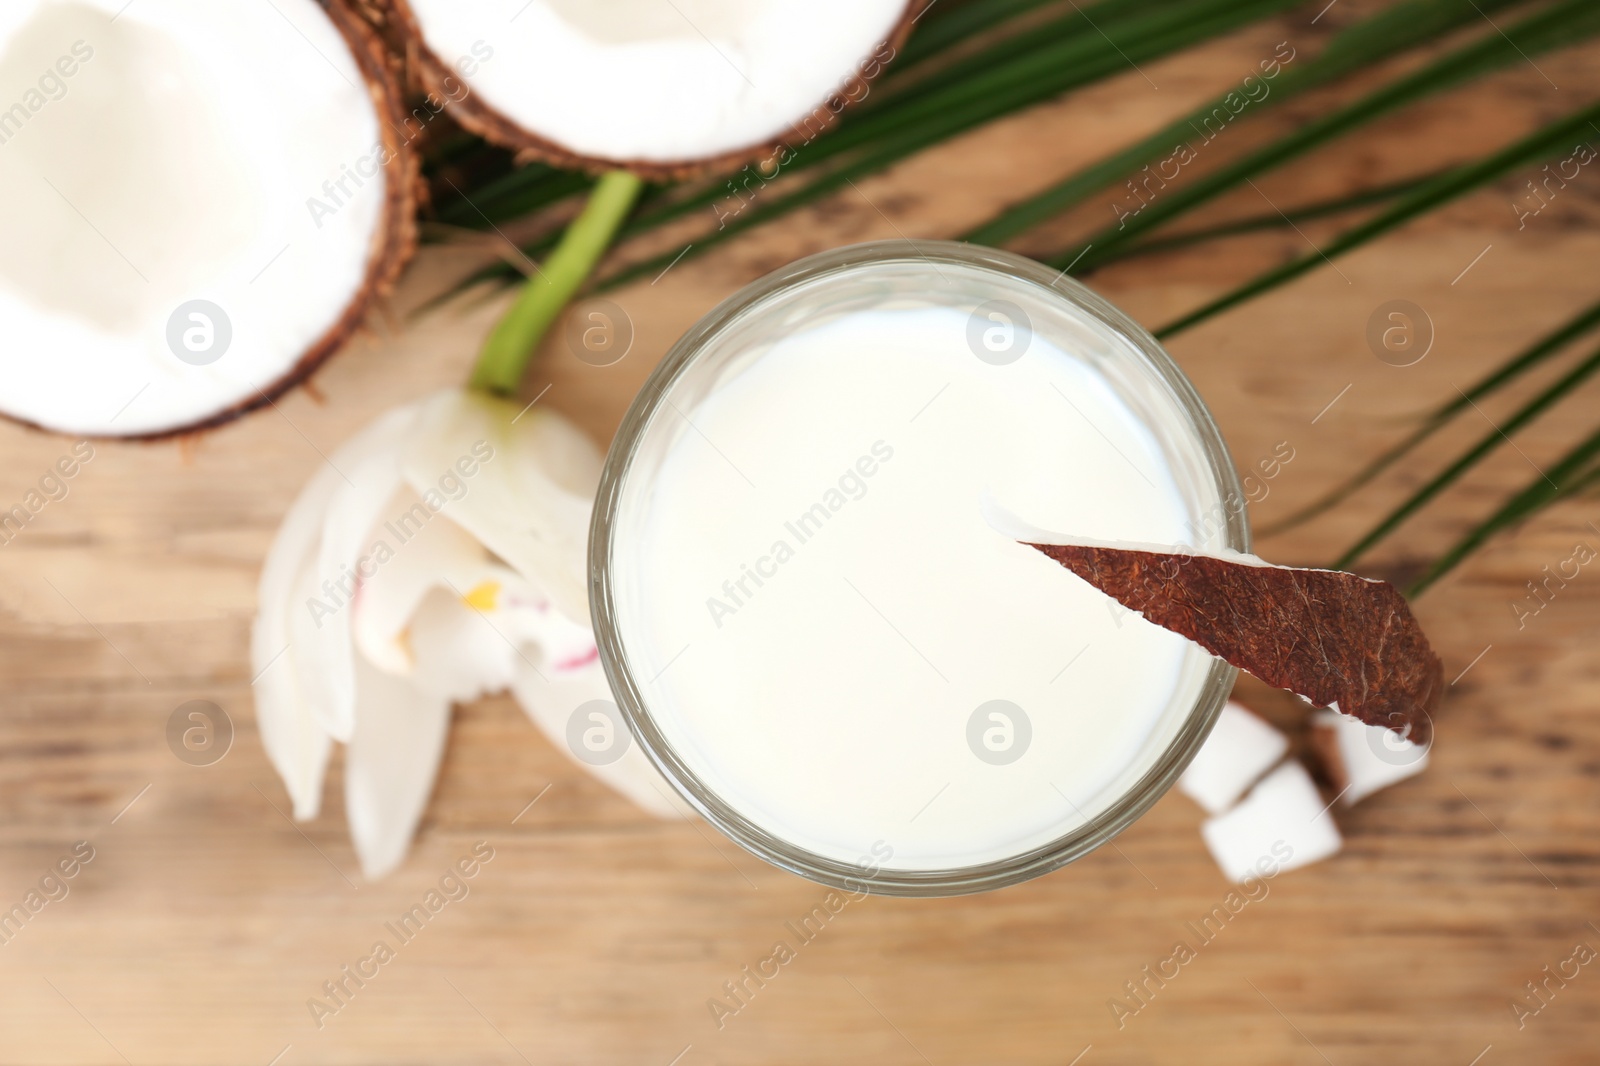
column 160, row 152
column 661, row 81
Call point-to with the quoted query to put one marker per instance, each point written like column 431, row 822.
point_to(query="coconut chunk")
column 1239, row 750
column 1282, row 824
column 661, row 88
column 202, row 199
column 1361, row 759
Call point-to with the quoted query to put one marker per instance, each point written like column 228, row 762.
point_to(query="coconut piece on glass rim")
column 1239, row 750
column 203, row 201
column 1361, row 759
column 665, row 90
column 1282, row 824
column 1335, row 639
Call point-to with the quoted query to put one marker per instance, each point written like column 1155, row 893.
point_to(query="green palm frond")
column 1026, row 68
column 1367, row 43
column 1488, row 443
column 1541, row 145
column 1513, row 368
column 971, row 62
column 1564, row 24
column 1088, row 57
column 945, row 25
column 1575, row 471
column 1287, row 218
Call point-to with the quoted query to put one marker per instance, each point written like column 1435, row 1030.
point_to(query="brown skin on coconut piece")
column 1336, row 639
column 393, row 243
column 399, row 27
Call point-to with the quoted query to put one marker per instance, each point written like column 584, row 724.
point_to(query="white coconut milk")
column 820, row 617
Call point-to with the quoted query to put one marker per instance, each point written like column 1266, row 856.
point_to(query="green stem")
column 516, row 336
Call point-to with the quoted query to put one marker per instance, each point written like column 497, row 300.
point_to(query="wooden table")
column 206, row 920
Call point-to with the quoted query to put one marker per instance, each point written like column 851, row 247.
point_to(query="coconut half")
column 202, row 202
column 664, row 88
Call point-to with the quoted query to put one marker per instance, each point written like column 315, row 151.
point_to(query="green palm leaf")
column 973, row 61
column 1559, row 26
column 1487, row 444
column 1513, row 368
column 513, row 195
column 1544, row 143
column 530, row 188
column 944, row 26
column 1371, row 41
column 1085, row 47
column 1571, row 474
column 1291, row 216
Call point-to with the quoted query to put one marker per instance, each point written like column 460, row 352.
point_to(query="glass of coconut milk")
column 806, row 611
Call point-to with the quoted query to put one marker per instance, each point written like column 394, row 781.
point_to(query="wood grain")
column 595, row 935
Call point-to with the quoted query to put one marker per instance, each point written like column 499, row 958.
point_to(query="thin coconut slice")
column 1282, row 824
column 1239, row 750
column 203, row 201
column 1361, row 759
column 661, row 88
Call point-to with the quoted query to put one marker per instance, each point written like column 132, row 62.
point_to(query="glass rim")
column 1052, row 855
